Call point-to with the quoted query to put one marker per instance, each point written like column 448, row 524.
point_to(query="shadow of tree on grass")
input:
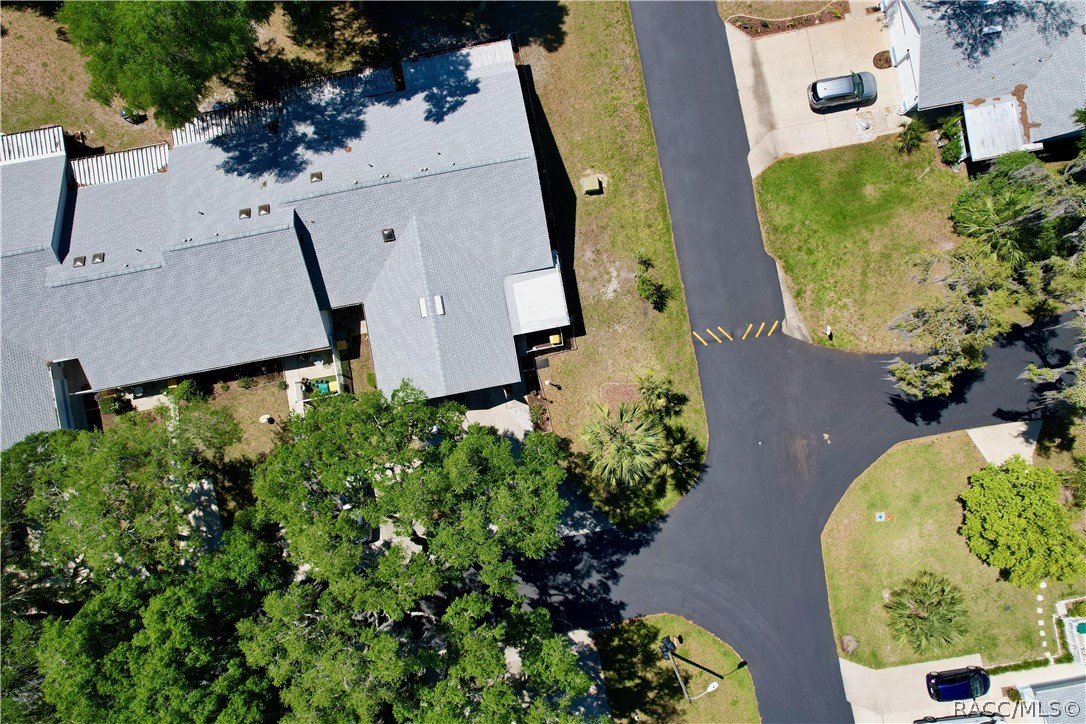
column 637, row 684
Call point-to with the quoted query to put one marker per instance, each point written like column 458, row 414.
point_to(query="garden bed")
column 755, row 27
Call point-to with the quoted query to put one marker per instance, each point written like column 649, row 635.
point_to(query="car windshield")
column 837, row 87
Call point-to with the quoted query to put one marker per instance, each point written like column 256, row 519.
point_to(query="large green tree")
column 116, row 501
column 1022, row 226
column 1014, row 522
column 160, row 55
column 416, row 624
column 165, row 648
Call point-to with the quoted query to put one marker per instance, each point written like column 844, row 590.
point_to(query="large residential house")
column 1017, row 70
column 417, row 204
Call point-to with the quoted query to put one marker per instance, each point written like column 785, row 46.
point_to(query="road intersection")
column 791, row 424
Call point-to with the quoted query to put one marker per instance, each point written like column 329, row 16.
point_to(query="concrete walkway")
column 773, row 73
column 998, row 443
column 899, row 694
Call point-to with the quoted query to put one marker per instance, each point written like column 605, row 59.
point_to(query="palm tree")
column 658, row 395
column 911, row 136
column 927, row 612
column 625, row 450
column 990, row 219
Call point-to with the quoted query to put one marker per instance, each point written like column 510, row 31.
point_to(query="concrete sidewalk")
column 998, row 443
column 773, row 73
column 899, row 694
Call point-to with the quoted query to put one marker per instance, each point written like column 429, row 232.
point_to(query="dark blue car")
column 958, row 684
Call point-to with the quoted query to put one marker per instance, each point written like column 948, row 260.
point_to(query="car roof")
column 834, row 87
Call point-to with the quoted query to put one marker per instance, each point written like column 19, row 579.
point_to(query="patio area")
column 307, row 375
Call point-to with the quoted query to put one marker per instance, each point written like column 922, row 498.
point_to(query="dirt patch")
column 612, row 393
column 762, row 27
column 882, row 60
column 612, row 287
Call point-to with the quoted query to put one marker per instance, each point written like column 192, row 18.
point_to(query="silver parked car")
column 841, row 91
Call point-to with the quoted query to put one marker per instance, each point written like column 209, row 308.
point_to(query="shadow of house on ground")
column 559, row 198
column 965, row 22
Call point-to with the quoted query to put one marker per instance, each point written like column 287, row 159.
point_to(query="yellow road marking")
column 773, row 328
column 749, row 327
column 725, row 333
column 718, row 339
column 700, row 339
column 760, row 328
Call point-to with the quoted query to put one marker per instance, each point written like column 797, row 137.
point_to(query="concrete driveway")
column 773, row 74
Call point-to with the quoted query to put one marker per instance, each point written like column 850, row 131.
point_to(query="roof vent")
column 263, row 209
column 98, row 257
column 316, row 176
column 422, row 306
column 439, row 304
column 79, row 261
column 245, row 213
column 991, row 30
column 388, row 235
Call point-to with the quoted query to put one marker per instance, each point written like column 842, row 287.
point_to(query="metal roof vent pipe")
column 98, row 257
column 388, row 235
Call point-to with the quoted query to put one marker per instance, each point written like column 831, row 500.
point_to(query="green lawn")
column 593, row 101
column 918, row 483
column 848, row 225
column 641, row 686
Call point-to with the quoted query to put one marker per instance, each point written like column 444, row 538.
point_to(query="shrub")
column 836, row 13
column 765, row 23
column 950, row 127
column 224, row 387
column 911, row 136
column 245, row 383
column 952, row 151
column 371, row 380
column 184, row 391
column 1014, row 695
column 1077, row 609
column 1018, row 666
column 927, row 612
column 282, row 384
column 536, row 413
column 653, row 291
column 114, row 404
column 1075, row 482
column 644, row 262
column 1014, row 522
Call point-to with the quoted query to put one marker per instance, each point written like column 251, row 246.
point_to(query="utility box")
column 592, row 185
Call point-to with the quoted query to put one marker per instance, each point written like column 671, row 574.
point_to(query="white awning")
column 994, row 129
column 536, row 300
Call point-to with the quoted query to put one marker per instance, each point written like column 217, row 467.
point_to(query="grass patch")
column 593, row 99
column 848, row 225
column 247, row 406
column 1062, row 440
column 43, row 83
column 918, row 483
column 641, row 686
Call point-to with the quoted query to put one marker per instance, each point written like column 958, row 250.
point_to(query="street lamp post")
column 667, row 648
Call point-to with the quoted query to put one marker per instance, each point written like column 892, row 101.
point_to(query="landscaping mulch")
column 612, row 393
column 761, row 27
column 882, row 60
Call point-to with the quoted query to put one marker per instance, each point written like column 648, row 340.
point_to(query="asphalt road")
column 791, row 424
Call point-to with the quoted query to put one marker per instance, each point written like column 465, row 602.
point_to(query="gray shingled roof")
column 30, row 194
column 187, row 285
column 26, row 383
column 1040, row 47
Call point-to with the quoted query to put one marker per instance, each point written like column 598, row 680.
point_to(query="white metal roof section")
column 994, row 129
column 225, row 121
column 122, row 165
column 29, row 145
column 472, row 63
column 1060, row 702
column 536, row 300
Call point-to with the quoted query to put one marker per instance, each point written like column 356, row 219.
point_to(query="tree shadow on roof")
column 965, row 22
column 325, row 114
